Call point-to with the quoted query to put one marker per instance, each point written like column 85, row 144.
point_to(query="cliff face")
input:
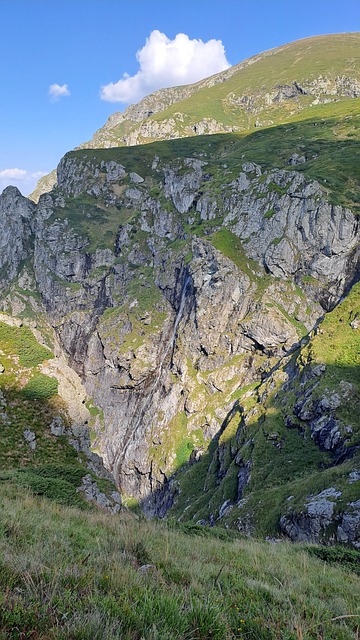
column 16, row 214
column 182, row 294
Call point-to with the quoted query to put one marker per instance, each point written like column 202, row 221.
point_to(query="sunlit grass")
column 69, row 574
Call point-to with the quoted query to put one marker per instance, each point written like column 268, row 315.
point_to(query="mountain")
column 268, row 89
column 205, row 291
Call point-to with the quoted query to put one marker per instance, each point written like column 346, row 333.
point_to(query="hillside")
column 268, row 89
column 67, row 573
column 45, row 443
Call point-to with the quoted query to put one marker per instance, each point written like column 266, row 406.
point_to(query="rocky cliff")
column 188, row 292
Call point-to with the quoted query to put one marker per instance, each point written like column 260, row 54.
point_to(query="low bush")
column 40, row 387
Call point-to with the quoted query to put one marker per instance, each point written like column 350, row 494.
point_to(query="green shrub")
column 40, row 387
column 349, row 558
column 67, row 472
column 20, row 340
column 56, row 489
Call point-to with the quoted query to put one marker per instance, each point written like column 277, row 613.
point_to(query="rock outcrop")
column 16, row 220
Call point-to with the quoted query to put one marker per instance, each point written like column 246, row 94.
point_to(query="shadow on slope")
column 266, row 458
column 326, row 137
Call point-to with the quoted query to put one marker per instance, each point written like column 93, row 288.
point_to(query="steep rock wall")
column 174, row 290
column 240, row 307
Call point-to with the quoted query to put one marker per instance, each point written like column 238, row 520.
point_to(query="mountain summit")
column 268, row 89
column 264, row 90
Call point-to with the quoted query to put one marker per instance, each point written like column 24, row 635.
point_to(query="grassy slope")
column 331, row 56
column 29, row 400
column 69, row 574
column 301, row 61
column 327, row 135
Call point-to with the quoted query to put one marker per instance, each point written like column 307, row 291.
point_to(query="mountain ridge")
column 139, row 123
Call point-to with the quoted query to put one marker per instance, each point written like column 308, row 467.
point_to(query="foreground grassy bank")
column 66, row 573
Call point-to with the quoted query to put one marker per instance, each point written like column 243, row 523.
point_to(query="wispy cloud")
column 165, row 63
column 13, row 174
column 21, row 178
column 57, row 91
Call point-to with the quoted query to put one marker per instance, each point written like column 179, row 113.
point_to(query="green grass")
column 305, row 60
column 311, row 129
column 230, row 245
column 348, row 558
column 269, row 214
column 327, row 134
column 67, row 573
column 29, row 401
column 88, row 217
column 176, row 443
column 337, row 346
column 40, row 481
column 40, row 386
column 21, row 341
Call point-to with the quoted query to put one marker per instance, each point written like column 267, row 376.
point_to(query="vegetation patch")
column 269, row 214
column 21, row 341
column 230, row 245
column 40, row 387
column 348, row 558
column 70, row 573
column 42, row 482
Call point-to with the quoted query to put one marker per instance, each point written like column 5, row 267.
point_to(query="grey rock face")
column 219, row 315
column 292, row 229
column 348, row 530
column 183, row 189
column 311, row 524
column 213, row 324
column 92, row 493
column 354, row 476
column 79, row 438
column 16, row 221
column 30, row 438
column 319, row 413
column 57, row 427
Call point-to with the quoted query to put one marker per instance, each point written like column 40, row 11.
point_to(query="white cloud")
column 20, row 174
column 21, row 178
column 167, row 63
column 57, row 91
column 13, row 174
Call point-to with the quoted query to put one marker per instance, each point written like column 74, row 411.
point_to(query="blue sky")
column 82, row 45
